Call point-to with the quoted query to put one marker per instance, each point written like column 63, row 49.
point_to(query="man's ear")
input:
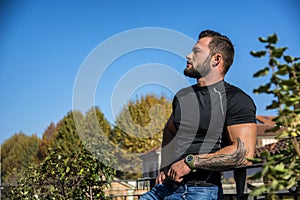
column 216, row 60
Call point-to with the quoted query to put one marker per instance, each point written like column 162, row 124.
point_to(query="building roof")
column 264, row 124
column 262, row 119
column 275, row 147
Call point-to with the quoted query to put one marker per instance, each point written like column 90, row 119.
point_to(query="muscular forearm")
column 167, row 150
column 222, row 161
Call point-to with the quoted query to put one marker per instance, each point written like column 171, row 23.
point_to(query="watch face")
column 189, row 158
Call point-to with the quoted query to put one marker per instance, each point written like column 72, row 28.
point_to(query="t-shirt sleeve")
column 241, row 109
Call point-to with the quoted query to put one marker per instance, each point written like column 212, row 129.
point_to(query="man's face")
column 199, row 60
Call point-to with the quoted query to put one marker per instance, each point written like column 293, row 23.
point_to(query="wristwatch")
column 189, row 160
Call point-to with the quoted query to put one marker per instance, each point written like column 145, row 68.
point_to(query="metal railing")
column 225, row 196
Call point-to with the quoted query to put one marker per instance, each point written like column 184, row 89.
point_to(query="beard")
column 199, row 72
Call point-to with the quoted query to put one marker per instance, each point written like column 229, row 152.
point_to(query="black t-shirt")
column 202, row 115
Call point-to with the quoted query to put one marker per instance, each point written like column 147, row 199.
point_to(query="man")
column 212, row 127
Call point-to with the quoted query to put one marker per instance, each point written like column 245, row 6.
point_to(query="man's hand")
column 178, row 170
column 160, row 178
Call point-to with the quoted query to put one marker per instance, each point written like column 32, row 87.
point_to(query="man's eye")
column 196, row 50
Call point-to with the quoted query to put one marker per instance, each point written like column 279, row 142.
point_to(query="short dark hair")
column 220, row 44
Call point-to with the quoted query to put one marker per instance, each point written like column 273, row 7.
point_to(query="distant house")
column 151, row 162
column 151, row 159
column 264, row 137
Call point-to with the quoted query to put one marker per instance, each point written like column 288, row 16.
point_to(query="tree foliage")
column 138, row 129
column 140, row 125
column 65, row 175
column 17, row 153
column 281, row 171
column 66, row 135
column 79, row 160
column 45, row 141
column 76, row 158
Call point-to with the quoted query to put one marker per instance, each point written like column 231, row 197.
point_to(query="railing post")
column 240, row 182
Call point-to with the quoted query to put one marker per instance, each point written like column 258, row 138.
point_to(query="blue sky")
column 43, row 45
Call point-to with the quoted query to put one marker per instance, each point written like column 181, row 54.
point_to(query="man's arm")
column 243, row 138
column 167, row 148
column 169, row 132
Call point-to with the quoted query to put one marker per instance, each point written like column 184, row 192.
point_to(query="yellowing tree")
column 138, row 129
column 140, row 124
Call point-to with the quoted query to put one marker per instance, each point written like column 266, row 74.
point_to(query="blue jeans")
column 184, row 192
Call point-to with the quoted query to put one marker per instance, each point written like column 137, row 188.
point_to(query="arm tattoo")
column 224, row 161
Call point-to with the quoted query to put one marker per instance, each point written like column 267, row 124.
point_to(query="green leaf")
column 81, row 171
column 272, row 39
column 258, row 191
column 278, row 52
column 263, row 89
column 274, row 184
column 292, row 182
column 288, row 82
column 255, row 160
column 262, row 72
column 297, row 111
column 255, row 176
column 265, row 170
column 283, row 69
column 274, row 105
column 279, row 167
column 287, row 176
column 273, row 62
column 263, row 40
column 288, row 59
column 258, row 54
column 297, row 66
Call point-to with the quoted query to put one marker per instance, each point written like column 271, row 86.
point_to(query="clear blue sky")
column 44, row 43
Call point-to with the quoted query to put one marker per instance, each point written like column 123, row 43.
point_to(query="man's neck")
column 207, row 82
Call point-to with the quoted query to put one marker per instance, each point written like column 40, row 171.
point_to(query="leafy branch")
column 280, row 171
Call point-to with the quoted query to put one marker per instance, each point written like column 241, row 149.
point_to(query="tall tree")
column 138, row 129
column 45, row 141
column 96, row 128
column 140, row 124
column 17, row 153
column 66, row 135
column 281, row 171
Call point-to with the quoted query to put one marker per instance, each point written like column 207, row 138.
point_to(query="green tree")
column 79, row 163
column 280, row 171
column 17, row 153
column 66, row 175
column 66, row 135
column 95, row 128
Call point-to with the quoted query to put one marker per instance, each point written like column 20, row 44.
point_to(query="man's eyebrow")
column 196, row 49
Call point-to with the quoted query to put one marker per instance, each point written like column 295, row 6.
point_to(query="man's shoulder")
column 236, row 96
column 233, row 91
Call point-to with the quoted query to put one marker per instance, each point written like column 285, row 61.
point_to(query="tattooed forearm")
column 224, row 161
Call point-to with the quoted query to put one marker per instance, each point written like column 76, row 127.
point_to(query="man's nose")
column 188, row 57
